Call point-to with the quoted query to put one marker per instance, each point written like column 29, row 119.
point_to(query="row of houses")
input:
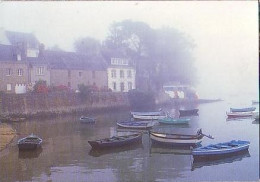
column 24, row 61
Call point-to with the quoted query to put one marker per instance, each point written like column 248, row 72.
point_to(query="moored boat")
column 85, row 119
column 136, row 124
column 239, row 114
column 220, row 149
column 30, row 142
column 188, row 112
column 255, row 101
column 116, row 141
column 246, row 109
column 170, row 120
column 150, row 113
column 148, row 117
column 171, row 139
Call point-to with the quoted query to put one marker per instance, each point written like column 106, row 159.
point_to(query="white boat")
column 152, row 113
column 149, row 117
column 136, row 124
column 240, row 114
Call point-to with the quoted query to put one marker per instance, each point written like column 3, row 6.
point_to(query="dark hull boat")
column 116, row 141
column 30, row 142
column 220, row 150
column 84, row 119
column 247, row 109
column 189, row 112
column 169, row 139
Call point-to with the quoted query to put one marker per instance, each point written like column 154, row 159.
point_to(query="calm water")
column 66, row 155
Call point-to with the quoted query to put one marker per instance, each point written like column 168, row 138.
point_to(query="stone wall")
column 53, row 103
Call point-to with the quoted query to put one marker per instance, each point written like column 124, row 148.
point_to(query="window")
column 40, row 70
column 20, row 72
column 114, row 85
column 122, row 86
column 130, row 85
column 93, row 74
column 8, row 72
column 113, row 73
column 80, row 74
column 8, row 87
column 129, row 74
column 121, row 73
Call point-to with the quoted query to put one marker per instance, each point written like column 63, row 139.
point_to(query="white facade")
column 121, row 76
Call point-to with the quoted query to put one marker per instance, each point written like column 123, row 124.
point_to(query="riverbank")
column 7, row 134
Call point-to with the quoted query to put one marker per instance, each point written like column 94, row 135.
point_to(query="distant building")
column 121, row 76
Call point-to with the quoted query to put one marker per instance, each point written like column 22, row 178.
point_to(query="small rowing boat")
column 246, row 109
column 116, row 141
column 136, row 124
column 220, row 149
column 148, row 117
column 85, row 119
column 170, row 120
column 30, row 142
column 188, row 112
column 152, row 113
column 239, row 114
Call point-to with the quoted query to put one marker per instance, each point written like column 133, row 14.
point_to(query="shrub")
column 84, row 91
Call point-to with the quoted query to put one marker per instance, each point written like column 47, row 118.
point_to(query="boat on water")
column 30, row 142
column 173, row 139
column 200, row 162
column 116, row 141
column 255, row 102
column 240, row 114
column 85, row 119
column 136, row 124
column 150, row 113
column 246, row 109
column 188, row 112
column 220, row 149
column 148, row 117
column 171, row 120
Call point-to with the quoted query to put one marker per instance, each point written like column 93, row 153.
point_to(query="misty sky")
column 225, row 33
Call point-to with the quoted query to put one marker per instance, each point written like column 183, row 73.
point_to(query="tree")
column 88, row 46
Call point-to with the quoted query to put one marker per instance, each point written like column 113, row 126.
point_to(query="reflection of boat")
column 98, row 153
column 220, row 160
column 255, row 101
column 116, row 141
column 25, row 154
column 171, row 150
column 30, row 142
column 220, row 149
column 148, row 117
column 177, row 139
column 85, row 119
column 239, row 114
column 246, row 109
column 136, row 124
column 188, row 112
column 170, row 120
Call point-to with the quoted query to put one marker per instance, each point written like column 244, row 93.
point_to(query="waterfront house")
column 121, row 75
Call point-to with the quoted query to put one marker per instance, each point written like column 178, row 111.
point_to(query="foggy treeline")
column 160, row 56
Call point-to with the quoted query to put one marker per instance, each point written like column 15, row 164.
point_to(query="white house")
column 121, row 76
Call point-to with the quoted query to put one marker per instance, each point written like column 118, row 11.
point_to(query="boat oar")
column 209, row 136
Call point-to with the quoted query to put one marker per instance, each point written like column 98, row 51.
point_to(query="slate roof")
column 7, row 53
column 72, row 60
column 15, row 37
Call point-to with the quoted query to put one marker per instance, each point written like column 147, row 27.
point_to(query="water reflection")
column 25, row 154
column 125, row 149
column 220, row 160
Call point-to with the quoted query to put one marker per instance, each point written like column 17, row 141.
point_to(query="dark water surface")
column 66, row 155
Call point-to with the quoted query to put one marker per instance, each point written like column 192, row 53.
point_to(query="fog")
column 225, row 33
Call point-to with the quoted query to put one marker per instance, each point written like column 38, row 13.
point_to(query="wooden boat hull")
column 188, row 112
column 27, row 146
column 248, row 109
column 87, row 120
column 135, row 124
column 174, row 121
column 99, row 144
column 143, row 117
column 180, row 140
column 221, row 149
column 239, row 114
column 153, row 113
column 30, row 142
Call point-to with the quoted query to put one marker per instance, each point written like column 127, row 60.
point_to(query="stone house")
column 121, row 75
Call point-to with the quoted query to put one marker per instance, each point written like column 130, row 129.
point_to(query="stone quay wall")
column 31, row 104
